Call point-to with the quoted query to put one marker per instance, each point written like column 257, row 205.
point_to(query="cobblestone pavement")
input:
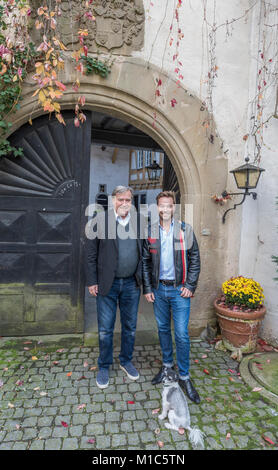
column 49, row 400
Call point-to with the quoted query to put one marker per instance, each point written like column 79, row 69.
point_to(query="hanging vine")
column 20, row 55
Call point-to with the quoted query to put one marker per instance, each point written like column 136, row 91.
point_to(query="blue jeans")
column 168, row 298
column 127, row 294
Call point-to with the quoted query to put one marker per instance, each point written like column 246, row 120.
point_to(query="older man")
column 171, row 266
column 114, row 276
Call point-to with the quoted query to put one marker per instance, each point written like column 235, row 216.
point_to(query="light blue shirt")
column 167, row 267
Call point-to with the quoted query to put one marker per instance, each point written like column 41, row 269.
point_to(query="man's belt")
column 167, row 282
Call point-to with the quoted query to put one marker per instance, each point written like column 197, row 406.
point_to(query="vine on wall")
column 267, row 63
column 20, row 55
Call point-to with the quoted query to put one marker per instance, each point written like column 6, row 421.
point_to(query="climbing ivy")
column 93, row 65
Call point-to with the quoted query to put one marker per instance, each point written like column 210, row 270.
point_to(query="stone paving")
column 49, row 400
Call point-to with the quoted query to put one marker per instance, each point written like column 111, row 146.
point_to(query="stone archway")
column 199, row 163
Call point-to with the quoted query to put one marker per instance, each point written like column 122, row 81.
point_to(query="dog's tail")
column 196, row 437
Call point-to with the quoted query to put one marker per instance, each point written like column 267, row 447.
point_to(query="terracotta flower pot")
column 239, row 329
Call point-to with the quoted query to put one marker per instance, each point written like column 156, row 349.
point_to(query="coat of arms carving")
column 118, row 27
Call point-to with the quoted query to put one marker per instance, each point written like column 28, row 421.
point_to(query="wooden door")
column 43, row 196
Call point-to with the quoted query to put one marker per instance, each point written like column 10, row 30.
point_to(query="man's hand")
column 150, row 297
column 186, row 292
column 93, row 290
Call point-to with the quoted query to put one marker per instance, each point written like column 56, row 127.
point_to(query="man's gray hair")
column 122, row 189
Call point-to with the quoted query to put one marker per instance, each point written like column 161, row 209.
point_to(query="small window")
column 139, row 159
column 148, row 158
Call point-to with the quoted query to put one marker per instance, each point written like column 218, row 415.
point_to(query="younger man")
column 171, row 267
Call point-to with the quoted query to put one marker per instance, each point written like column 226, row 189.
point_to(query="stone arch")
column 197, row 158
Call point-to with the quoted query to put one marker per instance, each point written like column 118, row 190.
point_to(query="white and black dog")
column 174, row 404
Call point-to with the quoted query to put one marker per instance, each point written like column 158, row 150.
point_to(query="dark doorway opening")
column 119, row 154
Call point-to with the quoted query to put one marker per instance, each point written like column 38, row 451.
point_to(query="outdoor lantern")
column 154, row 171
column 246, row 177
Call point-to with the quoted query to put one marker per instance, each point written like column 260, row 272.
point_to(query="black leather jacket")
column 186, row 258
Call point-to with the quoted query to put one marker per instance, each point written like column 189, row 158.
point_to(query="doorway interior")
column 120, row 154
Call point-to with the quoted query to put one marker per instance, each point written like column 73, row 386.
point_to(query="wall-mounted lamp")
column 247, row 177
column 154, row 171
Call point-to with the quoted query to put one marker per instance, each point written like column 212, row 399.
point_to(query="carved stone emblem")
column 118, row 27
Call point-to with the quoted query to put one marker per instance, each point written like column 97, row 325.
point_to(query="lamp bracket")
column 246, row 193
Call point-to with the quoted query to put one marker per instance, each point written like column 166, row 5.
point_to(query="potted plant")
column 240, row 311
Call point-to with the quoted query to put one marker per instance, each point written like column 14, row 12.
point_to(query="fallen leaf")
column 1, row 383
column 232, row 371
column 206, row 371
column 69, row 374
column 268, row 440
column 209, row 399
column 26, row 349
column 63, row 423
column 37, row 388
column 55, row 363
column 17, row 426
column 86, row 364
column 91, row 441
column 257, row 389
column 157, row 410
column 131, row 402
column 19, row 382
column 231, row 379
column 43, row 394
column 181, row 431
column 228, row 436
column 80, row 407
column 60, row 350
column 238, row 397
column 204, row 356
column 5, row 369
column 157, row 431
column 27, row 342
column 160, row 444
column 10, row 405
column 93, row 368
column 196, row 360
column 82, row 377
column 34, row 358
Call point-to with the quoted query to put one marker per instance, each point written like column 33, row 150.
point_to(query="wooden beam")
column 114, row 156
column 124, row 139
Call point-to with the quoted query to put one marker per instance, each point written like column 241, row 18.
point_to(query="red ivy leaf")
column 131, row 402
column 173, row 102
column 63, row 423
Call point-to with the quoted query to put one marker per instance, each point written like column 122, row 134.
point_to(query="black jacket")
column 102, row 253
column 186, row 258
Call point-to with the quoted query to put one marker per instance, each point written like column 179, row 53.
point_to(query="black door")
column 42, row 217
